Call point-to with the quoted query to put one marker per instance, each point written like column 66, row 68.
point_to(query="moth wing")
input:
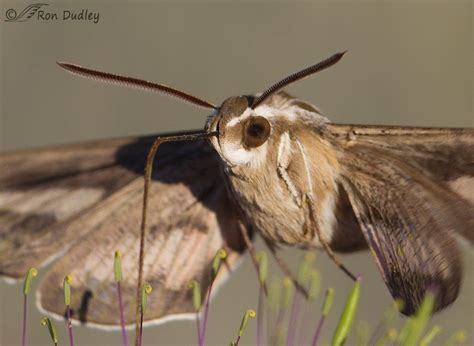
column 444, row 154
column 43, row 191
column 409, row 222
column 190, row 218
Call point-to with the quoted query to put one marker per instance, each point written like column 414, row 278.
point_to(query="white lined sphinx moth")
column 297, row 178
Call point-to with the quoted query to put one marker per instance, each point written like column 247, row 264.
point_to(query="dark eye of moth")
column 256, row 132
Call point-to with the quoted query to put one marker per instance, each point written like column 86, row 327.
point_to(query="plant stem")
column 206, row 312
column 327, row 305
column 375, row 334
column 69, row 326
column 25, row 316
column 318, row 331
column 279, row 332
column 141, row 328
column 198, row 325
column 260, row 314
column 122, row 319
column 294, row 314
column 32, row 272
column 304, row 326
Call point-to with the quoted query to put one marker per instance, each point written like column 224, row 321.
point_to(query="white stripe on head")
column 266, row 112
column 306, row 167
column 236, row 155
column 270, row 112
column 284, row 150
column 247, row 113
column 288, row 110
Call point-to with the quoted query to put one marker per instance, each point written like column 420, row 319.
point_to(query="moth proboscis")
column 273, row 165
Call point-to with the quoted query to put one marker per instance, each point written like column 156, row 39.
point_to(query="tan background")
column 409, row 63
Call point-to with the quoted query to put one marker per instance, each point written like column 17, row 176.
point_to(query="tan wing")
column 190, row 217
column 43, row 191
column 409, row 221
column 444, row 154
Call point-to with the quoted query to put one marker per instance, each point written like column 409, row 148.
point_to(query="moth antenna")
column 134, row 83
column 308, row 71
column 184, row 136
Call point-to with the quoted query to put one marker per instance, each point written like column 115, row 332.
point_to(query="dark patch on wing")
column 105, row 167
column 409, row 222
column 92, row 195
column 84, row 308
column 196, row 156
column 22, row 221
column 348, row 236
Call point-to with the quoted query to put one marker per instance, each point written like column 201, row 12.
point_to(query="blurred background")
column 409, row 63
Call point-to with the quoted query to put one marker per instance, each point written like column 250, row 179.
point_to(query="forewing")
column 190, row 218
column 43, row 191
column 444, row 154
column 409, row 222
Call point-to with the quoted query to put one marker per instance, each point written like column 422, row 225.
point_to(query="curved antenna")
column 297, row 76
column 134, row 83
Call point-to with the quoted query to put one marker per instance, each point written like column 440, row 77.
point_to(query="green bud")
column 118, row 266
column 262, row 266
column 67, row 289
column 328, row 300
column 248, row 314
column 416, row 325
column 32, row 272
column 287, row 291
column 196, row 294
column 304, row 269
column 216, row 263
column 348, row 315
column 45, row 321
column 429, row 337
column 314, row 285
column 146, row 290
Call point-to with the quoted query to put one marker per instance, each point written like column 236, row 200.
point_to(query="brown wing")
column 408, row 220
column 42, row 191
column 190, row 218
column 445, row 155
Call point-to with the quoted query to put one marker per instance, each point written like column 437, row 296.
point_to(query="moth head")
column 242, row 134
column 238, row 131
column 243, row 130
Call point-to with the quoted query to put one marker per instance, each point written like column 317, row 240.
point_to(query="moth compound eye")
column 256, row 132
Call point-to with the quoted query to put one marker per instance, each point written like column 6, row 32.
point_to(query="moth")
column 268, row 164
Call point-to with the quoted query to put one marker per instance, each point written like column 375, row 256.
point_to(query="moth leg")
column 325, row 245
column 315, row 230
column 253, row 254
column 144, row 220
column 286, row 270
